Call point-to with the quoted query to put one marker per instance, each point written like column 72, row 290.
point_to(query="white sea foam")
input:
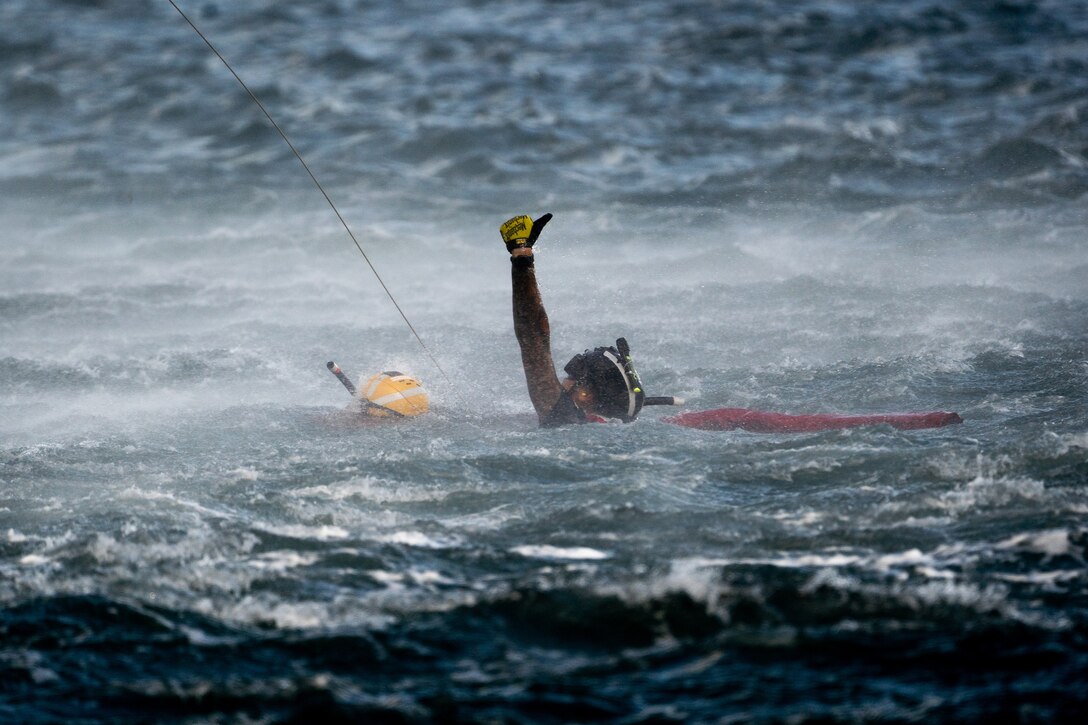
column 420, row 540
column 375, row 490
column 986, row 491
column 1046, row 578
column 933, row 573
column 490, row 520
column 389, row 578
column 324, row 532
column 428, row 577
column 961, row 594
column 800, row 518
column 1072, row 441
column 135, row 492
column 244, row 474
column 281, row 561
column 1054, row 542
column 804, row 561
column 912, row 557
column 287, row 615
column 545, row 551
column 34, row 560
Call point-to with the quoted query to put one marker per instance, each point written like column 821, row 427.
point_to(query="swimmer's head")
column 604, row 381
column 394, row 394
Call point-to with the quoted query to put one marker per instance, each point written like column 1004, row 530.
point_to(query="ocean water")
column 798, row 206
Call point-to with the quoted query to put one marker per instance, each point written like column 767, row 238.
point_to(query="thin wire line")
column 319, row 188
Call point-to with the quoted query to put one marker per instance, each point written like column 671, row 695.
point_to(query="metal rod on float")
column 335, row 370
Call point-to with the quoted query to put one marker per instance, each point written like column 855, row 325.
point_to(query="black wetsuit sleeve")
column 534, row 336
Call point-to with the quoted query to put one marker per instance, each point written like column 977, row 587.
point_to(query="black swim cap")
column 610, row 374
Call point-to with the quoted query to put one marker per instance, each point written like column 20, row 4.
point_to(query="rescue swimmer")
column 600, row 383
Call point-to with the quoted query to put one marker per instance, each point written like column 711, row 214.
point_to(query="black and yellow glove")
column 521, row 231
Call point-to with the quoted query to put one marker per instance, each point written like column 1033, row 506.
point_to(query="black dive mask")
column 610, row 375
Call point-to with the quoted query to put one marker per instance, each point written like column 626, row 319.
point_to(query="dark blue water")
column 808, row 206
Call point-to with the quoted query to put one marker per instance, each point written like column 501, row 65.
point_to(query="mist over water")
column 808, row 206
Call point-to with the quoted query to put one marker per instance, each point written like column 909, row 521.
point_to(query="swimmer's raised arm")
column 530, row 319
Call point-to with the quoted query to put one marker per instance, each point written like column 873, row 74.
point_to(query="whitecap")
column 299, row 531
column 1002, row 490
column 912, row 557
column 544, row 551
column 1072, row 440
column 244, row 474
column 373, row 489
column 389, row 578
column 34, row 560
column 1047, row 578
column 419, row 540
column 427, row 576
column 281, row 561
column 1054, row 542
column 806, row 561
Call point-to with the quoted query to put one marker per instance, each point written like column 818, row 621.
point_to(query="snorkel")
column 609, row 374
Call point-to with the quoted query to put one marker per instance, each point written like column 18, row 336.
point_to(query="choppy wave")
column 881, row 101
column 566, row 653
